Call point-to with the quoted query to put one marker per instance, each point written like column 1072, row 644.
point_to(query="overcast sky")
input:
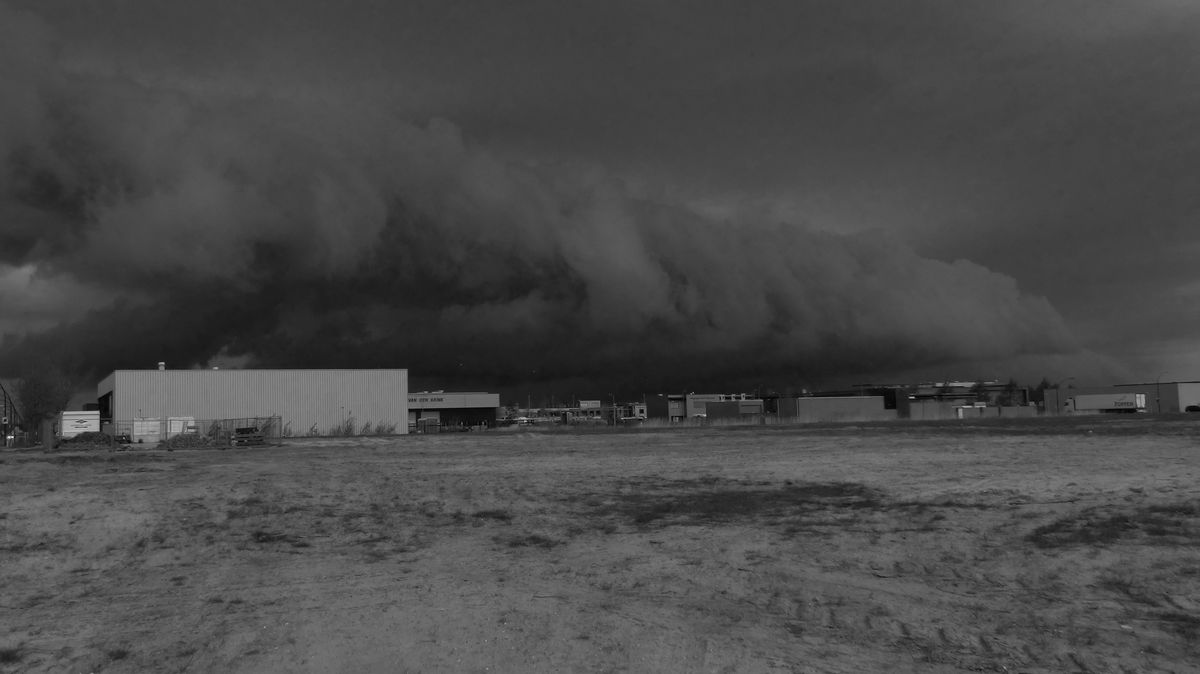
column 952, row 188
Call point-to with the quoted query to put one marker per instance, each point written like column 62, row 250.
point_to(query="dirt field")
column 1033, row 547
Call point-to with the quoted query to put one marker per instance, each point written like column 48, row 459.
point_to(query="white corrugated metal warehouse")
column 308, row 402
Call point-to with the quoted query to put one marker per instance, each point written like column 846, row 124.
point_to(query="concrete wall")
column 1018, row 412
column 305, row 400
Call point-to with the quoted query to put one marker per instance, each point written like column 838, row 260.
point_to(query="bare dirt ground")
column 1029, row 547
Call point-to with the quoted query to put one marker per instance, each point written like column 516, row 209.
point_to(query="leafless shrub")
column 344, row 429
column 187, row 441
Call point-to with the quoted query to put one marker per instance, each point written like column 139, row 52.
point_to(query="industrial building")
column 429, row 410
column 745, row 409
column 833, row 409
column 932, row 409
column 1155, row 397
column 304, row 402
column 863, row 403
column 957, row 392
column 676, row 407
column 584, row 413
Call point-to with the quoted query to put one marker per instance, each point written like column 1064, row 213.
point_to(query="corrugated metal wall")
column 308, row 401
column 1188, row 394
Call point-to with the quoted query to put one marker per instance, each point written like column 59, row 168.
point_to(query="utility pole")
column 1058, row 396
column 1158, row 392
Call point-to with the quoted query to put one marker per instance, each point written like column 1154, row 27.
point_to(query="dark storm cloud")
column 239, row 190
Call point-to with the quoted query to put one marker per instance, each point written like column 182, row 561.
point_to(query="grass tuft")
column 530, row 541
column 500, row 515
column 269, row 537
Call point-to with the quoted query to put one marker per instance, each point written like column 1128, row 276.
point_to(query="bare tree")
column 1011, row 394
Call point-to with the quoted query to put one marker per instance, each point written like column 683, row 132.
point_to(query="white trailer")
column 71, row 424
column 1109, row 402
column 180, row 425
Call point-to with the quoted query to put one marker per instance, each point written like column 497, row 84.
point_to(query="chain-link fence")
column 153, row 430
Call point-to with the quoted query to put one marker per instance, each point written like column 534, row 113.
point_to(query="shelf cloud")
column 293, row 231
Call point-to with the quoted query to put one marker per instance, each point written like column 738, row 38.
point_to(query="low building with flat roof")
column 449, row 411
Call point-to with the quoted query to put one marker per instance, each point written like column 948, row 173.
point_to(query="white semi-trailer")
column 1109, row 402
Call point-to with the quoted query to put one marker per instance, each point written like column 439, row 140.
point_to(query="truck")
column 71, row 424
column 1109, row 402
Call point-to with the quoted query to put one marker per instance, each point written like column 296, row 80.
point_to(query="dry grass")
column 765, row 550
column 1170, row 524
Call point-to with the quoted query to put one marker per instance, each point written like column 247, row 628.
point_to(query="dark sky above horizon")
column 821, row 191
